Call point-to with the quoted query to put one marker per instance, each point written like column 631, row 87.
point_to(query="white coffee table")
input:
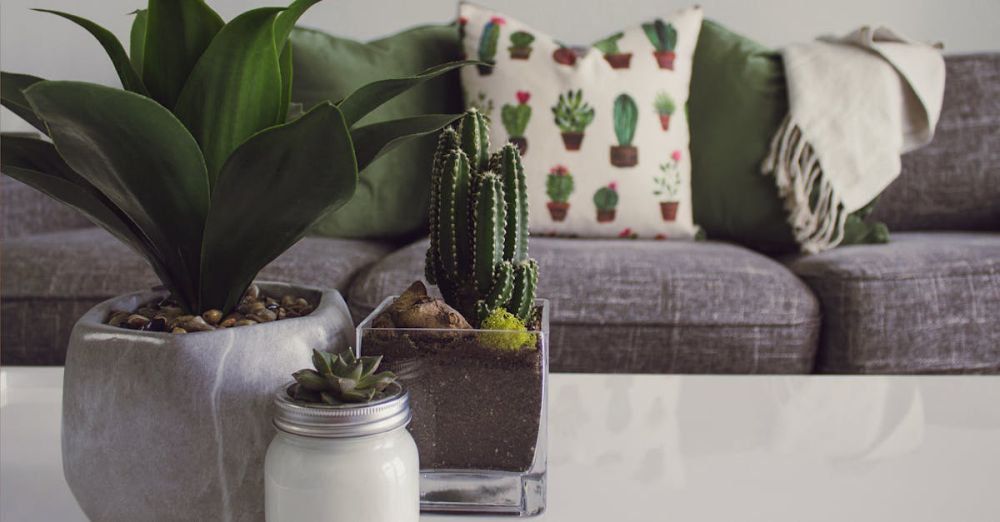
column 676, row 448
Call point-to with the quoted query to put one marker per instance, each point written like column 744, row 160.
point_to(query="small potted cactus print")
column 628, row 233
column 572, row 115
column 664, row 39
column 665, row 107
column 564, row 55
column 515, row 119
column 558, row 186
column 668, row 186
column 606, row 200
column 488, row 45
column 626, row 116
column 609, row 47
column 520, row 45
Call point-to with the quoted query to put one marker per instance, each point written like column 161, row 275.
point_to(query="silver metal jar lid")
column 344, row 420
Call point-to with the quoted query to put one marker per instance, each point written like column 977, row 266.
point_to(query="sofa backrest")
column 25, row 211
column 954, row 182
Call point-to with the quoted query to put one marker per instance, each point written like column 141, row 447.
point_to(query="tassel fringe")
column 815, row 211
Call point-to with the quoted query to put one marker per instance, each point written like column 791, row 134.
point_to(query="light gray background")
column 46, row 46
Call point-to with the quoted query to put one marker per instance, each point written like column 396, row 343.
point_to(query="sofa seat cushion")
column 650, row 306
column 926, row 302
column 50, row 280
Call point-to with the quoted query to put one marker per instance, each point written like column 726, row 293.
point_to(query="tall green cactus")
column 488, row 41
column 626, row 115
column 478, row 256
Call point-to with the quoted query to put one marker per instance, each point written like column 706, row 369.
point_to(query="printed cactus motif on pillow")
column 622, row 95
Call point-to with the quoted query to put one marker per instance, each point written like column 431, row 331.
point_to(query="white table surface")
column 676, row 448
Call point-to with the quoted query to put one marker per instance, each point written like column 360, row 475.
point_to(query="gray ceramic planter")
column 159, row 426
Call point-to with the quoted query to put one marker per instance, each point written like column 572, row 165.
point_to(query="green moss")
column 515, row 336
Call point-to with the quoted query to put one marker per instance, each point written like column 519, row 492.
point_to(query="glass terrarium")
column 479, row 411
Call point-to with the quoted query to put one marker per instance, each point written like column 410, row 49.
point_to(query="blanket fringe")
column 815, row 211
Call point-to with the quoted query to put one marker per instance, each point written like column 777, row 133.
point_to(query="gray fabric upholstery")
column 926, row 302
column 651, row 306
column 954, row 182
column 25, row 211
column 49, row 280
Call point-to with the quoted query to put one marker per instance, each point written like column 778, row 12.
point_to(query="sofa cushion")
column 651, row 306
column 50, row 280
column 954, row 182
column 926, row 302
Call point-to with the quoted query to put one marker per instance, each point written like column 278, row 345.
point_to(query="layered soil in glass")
column 474, row 406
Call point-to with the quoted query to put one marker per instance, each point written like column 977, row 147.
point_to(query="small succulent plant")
column 340, row 378
column 572, row 114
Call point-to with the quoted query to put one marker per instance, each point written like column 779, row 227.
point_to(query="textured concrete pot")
column 159, row 426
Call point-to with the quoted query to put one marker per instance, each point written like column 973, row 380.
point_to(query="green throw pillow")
column 393, row 193
column 738, row 100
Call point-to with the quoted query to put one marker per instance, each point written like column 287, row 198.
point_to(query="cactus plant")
column 665, row 107
column 612, row 54
column 340, row 378
column 478, row 256
column 606, row 201
column 515, row 119
column 626, row 115
column 520, row 45
column 663, row 36
column 558, row 186
column 572, row 115
column 488, row 45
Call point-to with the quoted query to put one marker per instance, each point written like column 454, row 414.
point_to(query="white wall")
column 46, row 46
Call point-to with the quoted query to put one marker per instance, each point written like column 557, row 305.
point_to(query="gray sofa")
column 929, row 301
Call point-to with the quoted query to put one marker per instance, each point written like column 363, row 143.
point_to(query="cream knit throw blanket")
column 855, row 104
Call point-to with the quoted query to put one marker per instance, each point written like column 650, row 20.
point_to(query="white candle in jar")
column 345, row 463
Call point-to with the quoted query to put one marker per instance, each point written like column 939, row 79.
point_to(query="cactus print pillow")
column 602, row 130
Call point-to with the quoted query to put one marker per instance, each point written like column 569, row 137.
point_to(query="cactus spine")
column 478, row 256
column 626, row 115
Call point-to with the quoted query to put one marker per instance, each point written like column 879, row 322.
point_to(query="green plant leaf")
column 374, row 140
column 302, row 169
column 177, row 33
column 12, row 86
column 137, row 40
column 129, row 78
column 37, row 164
column 285, row 66
column 135, row 152
column 236, row 89
column 369, row 97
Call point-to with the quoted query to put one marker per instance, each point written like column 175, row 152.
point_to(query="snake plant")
column 198, row 163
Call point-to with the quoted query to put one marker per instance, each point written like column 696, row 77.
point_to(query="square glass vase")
column 479, row 411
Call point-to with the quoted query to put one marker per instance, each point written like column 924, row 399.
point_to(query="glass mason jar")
column 344, row 463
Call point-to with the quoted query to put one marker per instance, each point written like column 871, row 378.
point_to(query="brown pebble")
column 196, row 324
column 228, row 322
column 288, row 301
column 212, row 316
column 264, row 316
column 245, row 322
column 252, row 293
column 178, row 330
column 301, row 303
column 137, row 321
column 282, row 313
column 184, row 318
column 118, row 318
